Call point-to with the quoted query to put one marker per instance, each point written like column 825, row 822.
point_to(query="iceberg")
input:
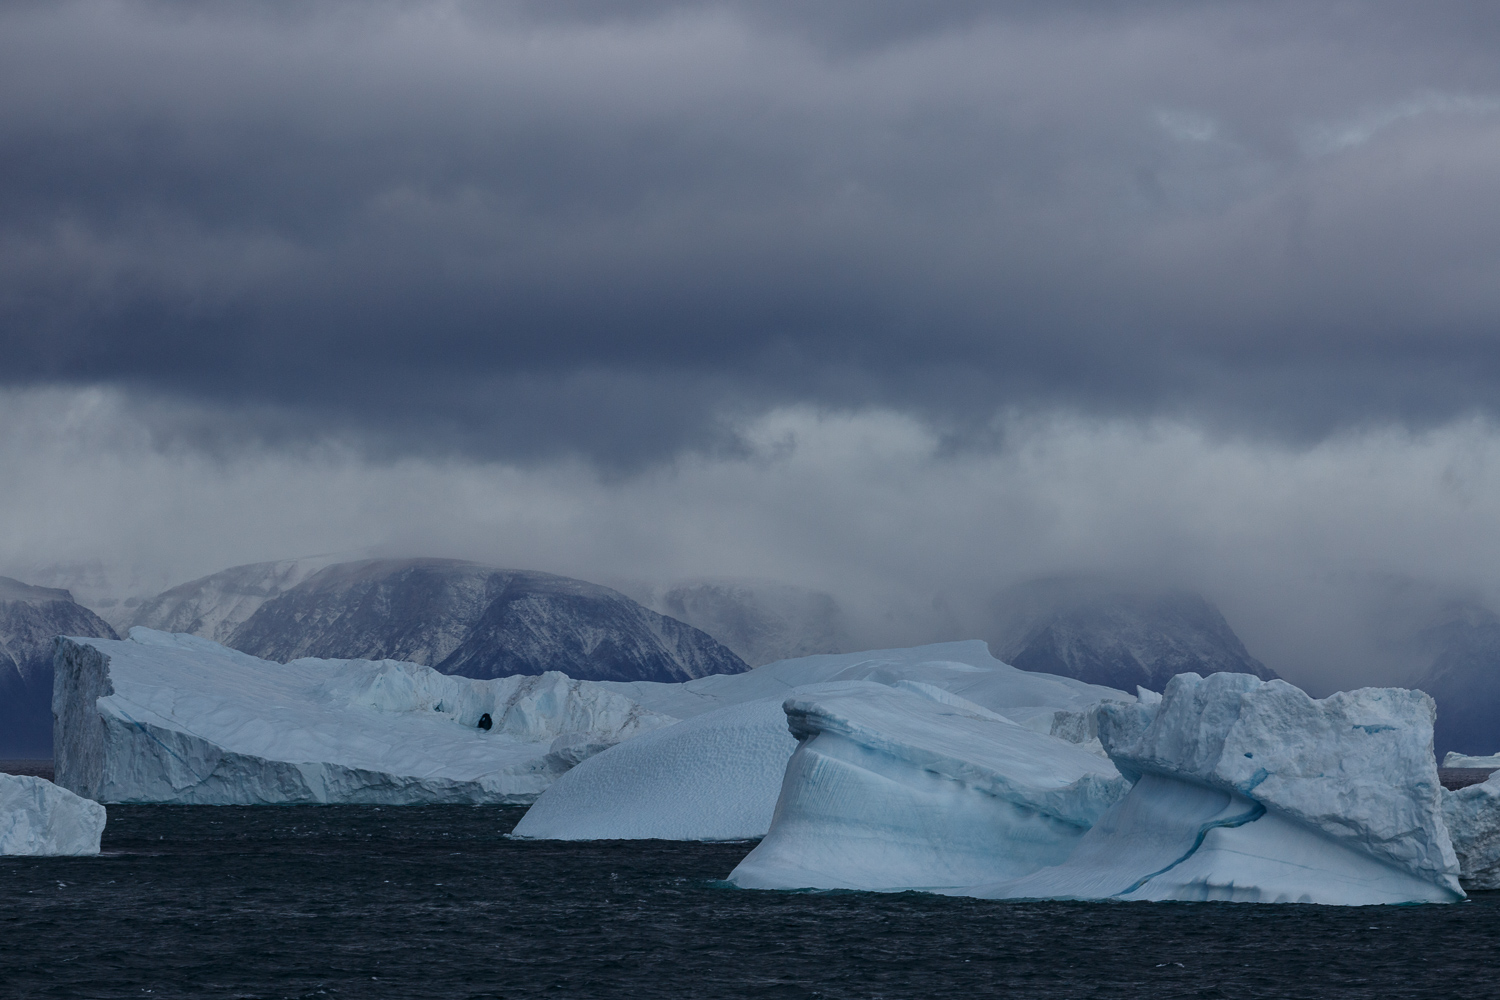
column 1253, row 791
column 717, row 775
column 713, row 777
column 37, row 817
column 175, row 718
column 908, row 786
column 1473, row 818
column 1491, row 762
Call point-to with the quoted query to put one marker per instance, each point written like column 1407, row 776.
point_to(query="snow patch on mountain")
column 215, row 606
column 477, row 621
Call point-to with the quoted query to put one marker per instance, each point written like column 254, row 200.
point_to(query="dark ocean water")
column 354, row 901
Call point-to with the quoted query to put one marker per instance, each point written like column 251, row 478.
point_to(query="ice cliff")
column 713, row 777
column 177, row 718
column 717, row 776
column 1473, row 817
column 38, row 817
column 908, row 786
column 1251, row 790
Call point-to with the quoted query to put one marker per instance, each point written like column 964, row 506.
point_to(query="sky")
column 904, row 302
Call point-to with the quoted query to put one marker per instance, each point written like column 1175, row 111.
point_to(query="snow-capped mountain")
column 114, row 592
column 760, row 620
column 214, row 606
column 30, row 618
column 1107, row 633
column 458, row 617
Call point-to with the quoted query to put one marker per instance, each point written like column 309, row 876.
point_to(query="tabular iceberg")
column 911, row 787
column 176, row 718
column 717, row 776
column 37, row 817
column 1253, row 791
column 1452, row 759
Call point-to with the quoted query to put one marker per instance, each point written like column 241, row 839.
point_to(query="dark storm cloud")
column 617, row 230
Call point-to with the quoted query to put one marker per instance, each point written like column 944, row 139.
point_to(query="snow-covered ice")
column 1251, row 790
column 717, row 776
column 177, row 718
column 910, row 786
column 1473, row 818
column 38, row 817
column 965, row 668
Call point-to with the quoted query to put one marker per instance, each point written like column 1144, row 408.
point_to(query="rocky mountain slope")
column 761, row 621
column 1463, row 643
column 458, row 617
column 30, row 618
column 214, row 606
column 1110, row 633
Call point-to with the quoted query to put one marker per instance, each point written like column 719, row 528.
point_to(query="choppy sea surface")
column 359, row 901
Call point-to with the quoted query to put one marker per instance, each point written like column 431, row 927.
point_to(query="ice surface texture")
column 38, row 817
column 1251, row 790
column 176, row 718
column 1473, row 817
column 718, row 775
column 713, row 777
column 910, row 786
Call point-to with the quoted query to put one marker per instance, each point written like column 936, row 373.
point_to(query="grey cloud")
column 1325, row 559
column 621, row 231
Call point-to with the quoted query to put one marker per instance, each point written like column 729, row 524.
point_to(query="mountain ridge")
column 454, row 615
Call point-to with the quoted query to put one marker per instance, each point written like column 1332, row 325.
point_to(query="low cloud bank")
column 1314, row 553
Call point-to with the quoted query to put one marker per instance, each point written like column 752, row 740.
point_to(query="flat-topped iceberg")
column 37, row 817
column 176, row 718
column 1253, row 791
column 1452, row 759
column 717, row 776
column 908, row 786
